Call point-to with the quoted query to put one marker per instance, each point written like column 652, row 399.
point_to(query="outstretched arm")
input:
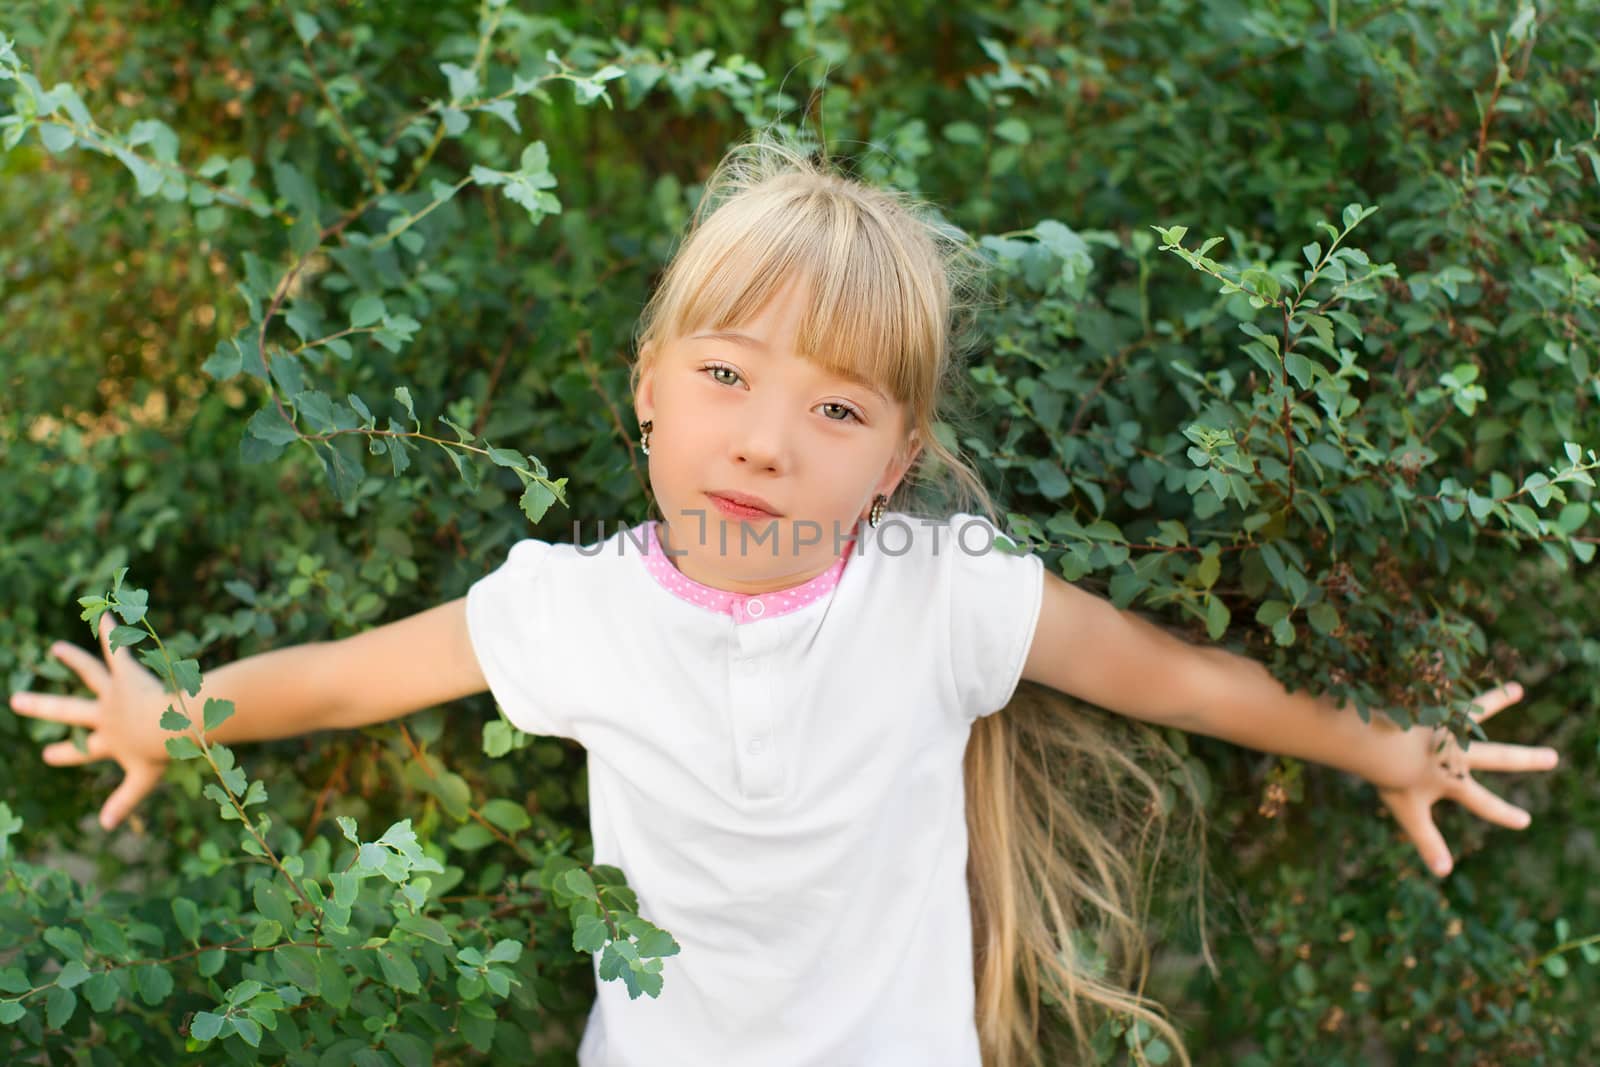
column 1086, row 647
column 379, row 674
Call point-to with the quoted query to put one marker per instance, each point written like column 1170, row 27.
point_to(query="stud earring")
column 875, row 516
column 644, row 435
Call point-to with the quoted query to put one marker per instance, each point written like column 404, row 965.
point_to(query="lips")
column 748, row 500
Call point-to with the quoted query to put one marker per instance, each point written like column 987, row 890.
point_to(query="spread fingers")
column 1492, row 756
column 1484, row 804
column 85, row 664
column 66, row 754
column 74, row 711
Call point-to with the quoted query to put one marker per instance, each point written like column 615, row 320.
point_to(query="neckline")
column 743, row 608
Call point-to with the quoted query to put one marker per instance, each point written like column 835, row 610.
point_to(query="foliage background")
column 1364, row 477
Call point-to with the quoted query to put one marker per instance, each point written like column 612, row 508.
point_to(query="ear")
column 907, row 455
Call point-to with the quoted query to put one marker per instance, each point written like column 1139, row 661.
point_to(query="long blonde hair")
column 1063, row 821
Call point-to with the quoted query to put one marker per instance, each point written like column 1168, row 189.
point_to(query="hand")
column 124, row 717
column 1437, row 772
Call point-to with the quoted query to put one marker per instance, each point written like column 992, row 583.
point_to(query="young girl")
column 777, row 682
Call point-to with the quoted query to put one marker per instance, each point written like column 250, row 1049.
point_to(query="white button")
column 755, row 746
column 754, row 609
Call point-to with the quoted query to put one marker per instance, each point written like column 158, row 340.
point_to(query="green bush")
column 310, row 315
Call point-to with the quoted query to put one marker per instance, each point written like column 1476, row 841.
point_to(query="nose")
column 762, row 442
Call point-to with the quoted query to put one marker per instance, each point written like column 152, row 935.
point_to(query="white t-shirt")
column 782, row 788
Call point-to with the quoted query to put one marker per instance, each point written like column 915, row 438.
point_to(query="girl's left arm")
column 1087, row 648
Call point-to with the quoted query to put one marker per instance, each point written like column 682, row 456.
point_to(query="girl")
column 787, row 687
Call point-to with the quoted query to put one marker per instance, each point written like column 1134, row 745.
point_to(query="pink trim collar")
column 741, row 607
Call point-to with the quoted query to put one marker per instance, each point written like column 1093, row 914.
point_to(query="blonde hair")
column 1063, row 824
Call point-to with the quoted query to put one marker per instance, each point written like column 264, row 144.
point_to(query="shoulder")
column 595, row 560
column 932, row 538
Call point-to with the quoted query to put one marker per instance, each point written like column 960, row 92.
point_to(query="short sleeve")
column 995, row 595
column 511, row 622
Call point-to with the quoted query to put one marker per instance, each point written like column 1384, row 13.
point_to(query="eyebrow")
column 759, row 345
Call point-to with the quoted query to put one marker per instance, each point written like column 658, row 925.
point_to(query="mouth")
column 743, row 506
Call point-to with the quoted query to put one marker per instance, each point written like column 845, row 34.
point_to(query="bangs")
column 875, row 308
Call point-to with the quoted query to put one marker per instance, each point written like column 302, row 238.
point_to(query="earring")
column 875, row 516
column 644, row 435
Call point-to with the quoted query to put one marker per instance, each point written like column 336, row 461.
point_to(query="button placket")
column 755, row 751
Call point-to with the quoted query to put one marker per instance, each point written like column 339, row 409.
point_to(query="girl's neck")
column 687, row 565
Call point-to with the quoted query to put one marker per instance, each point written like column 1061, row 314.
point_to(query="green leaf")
column 154, row 981
column 273, row 903
column 271, row 426
column 186, row 672
column 317, row 409
column 1013, row 130
column 505, row 951
column 56, row 138
column 248, row 1029
column 1556, row 966
column 187, row 915
column 366, row 311
column 299, row 965
column 59, row 1006
column 399, row 970
column 205, row 1026
column 102, row 991
column 656, row 943
column 217, row 712
column 72, row 974
column 225, row 361
column 173, row 719
column 963, row 133
column 589, row 934
column 267, row 933
column 579, row 883
column 505, row 457
column 536, row 500
column 505, row 814
column 305, row 27
column 1217, row 618
column 425, row 928
column 471, row 837
column 463, row 80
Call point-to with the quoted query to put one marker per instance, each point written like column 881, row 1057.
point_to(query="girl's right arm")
column 380, row 674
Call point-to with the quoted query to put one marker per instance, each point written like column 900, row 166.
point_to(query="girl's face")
column 741, row 413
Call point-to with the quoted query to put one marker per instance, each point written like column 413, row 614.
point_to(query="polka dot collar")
column 741, row 607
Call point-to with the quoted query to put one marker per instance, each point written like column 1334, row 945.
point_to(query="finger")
column 140, row 780
column 85, row 665
column 66, row 754
column 74, row 711
column 113, row 659
column 1416, row 819
column 1491, row 756
column 1481, row 802
column 1496, row 700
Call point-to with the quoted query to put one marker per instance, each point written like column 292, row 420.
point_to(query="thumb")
column 137, row 784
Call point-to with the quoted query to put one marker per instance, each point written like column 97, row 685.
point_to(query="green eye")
column 733, row 375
